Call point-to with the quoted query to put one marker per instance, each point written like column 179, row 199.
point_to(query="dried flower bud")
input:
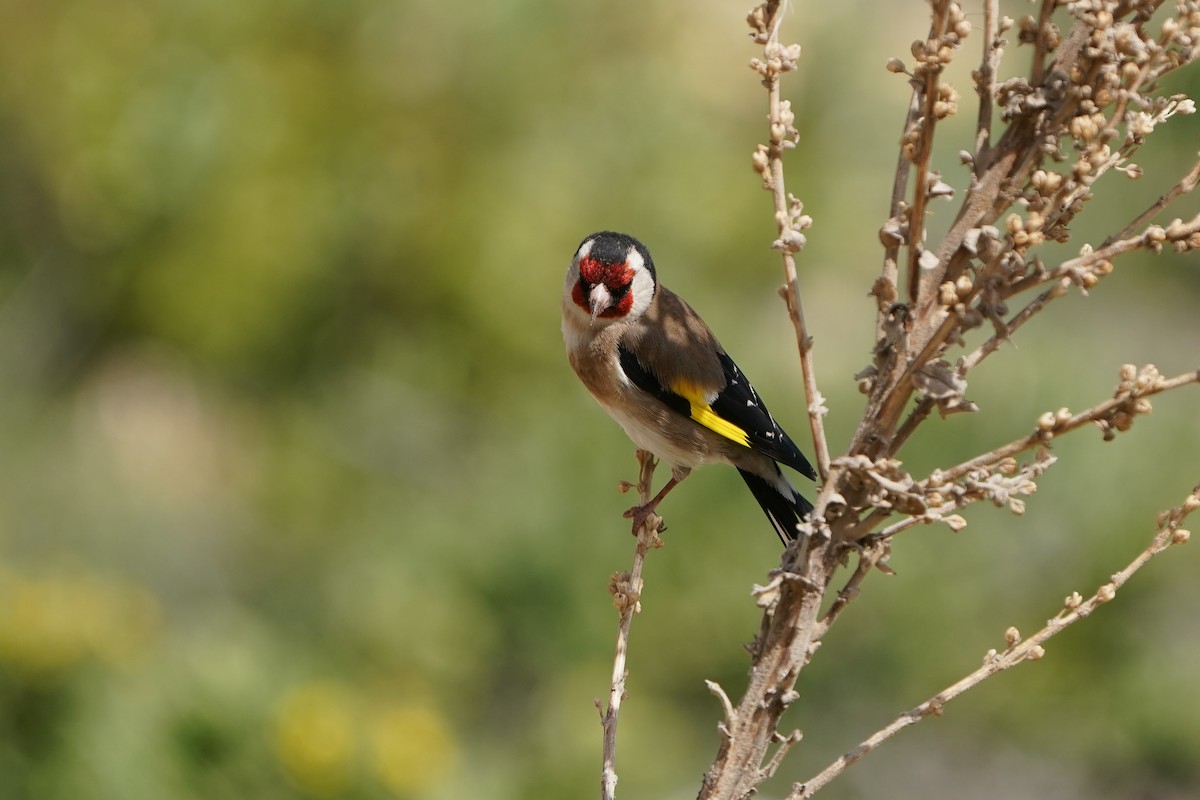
column 1147, row 377
column 939, row 188
column 947, row 102
column 891, row 234
column 1046, row 422
column 1046, row 182
column 955, row 522
column 1084, row 128
column 1036, row 652
column 1181, row 536
column 1012, row 636
column 786, row 115
column 757, row 20
column 1140, row 126
column 1106, row 592
column 1176, row 230
column 790, row 241
column 946, row 294
column 761, row 159
column 1073, row 601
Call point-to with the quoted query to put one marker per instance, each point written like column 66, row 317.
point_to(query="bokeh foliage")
column 298, row 497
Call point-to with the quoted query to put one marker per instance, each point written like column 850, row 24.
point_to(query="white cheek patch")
column 584, row 249
column 634, row 259
column 642, row 285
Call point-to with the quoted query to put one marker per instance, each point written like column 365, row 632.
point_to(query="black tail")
column 784, row 512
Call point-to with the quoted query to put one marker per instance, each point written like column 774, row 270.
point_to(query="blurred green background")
column 299, row 498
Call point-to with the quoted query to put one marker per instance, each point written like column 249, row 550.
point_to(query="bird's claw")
column 643, row 514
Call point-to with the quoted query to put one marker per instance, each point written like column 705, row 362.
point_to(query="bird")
column 653, row 364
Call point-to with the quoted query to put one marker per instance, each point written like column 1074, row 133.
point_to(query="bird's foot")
column 644, row 516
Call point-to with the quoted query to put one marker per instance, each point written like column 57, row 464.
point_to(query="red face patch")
column 617, row 277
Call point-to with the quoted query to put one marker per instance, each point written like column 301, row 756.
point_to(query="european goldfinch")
column 656, row 368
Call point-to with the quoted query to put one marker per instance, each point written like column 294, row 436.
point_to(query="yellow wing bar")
column 702, row 412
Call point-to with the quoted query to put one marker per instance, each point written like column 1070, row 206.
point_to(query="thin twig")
column 920, row 196
column 869, row 556
column 1041, row 42
column 1170, row 532
column 816, row 402
column 1069, row 423
column 1186, row 184
column 985, row 82
column 893, row 234
column 971, row 360
column 789, row 224
column 1062, row 276
column 626, row 589
column 915, row 418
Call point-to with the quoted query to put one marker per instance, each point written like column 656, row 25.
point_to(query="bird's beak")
column 599, row 299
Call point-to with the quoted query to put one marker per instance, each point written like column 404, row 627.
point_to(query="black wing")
column 741, row 405
column 737, row 404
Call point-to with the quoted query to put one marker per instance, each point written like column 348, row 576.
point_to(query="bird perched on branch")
column 656, row 368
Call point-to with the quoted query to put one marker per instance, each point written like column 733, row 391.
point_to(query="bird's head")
column 611, row 277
